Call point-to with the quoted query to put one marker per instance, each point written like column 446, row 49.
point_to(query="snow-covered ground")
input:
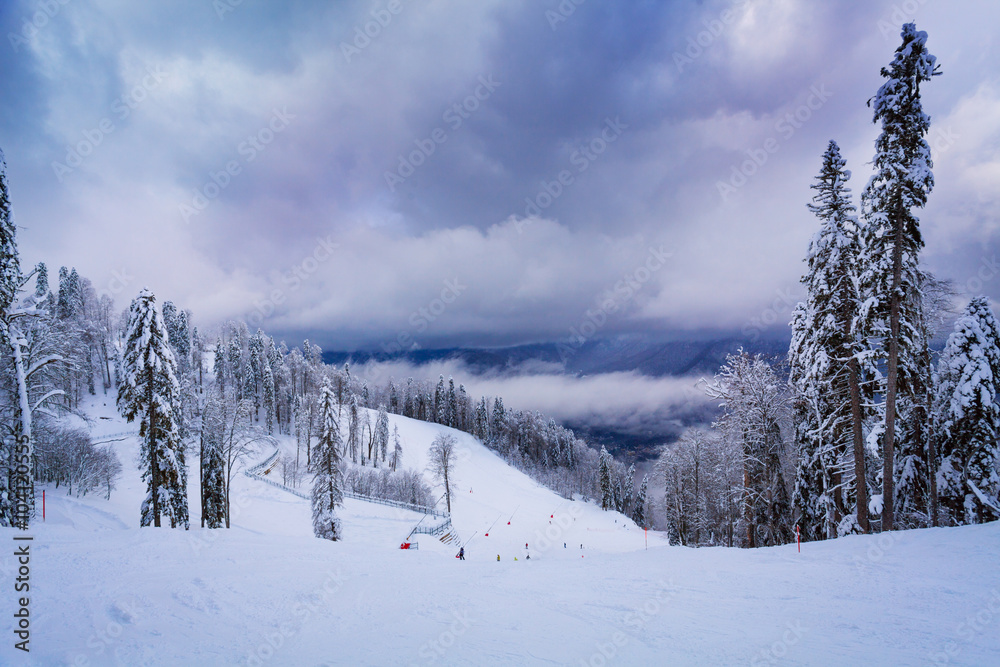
column 268, row 593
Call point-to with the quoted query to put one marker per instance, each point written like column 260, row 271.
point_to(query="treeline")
column 872, row 430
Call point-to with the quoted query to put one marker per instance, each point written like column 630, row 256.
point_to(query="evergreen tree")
column 397, row 449
column 41, row 281
column 213, row 480
column 968, row 418
column 605, row 468
column 891, row 233
column 641, row 499
column 498, row 424
column 150, row 392
column 326, row 492
column 479, row 428
column 822, row 359
column 628, row 488
column 269, row 398
column 10, row 282
column 381, row 435
column 451, row 415
column 219, row 364
column 440, row 415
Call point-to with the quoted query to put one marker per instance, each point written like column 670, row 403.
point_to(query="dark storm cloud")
column 249, row 139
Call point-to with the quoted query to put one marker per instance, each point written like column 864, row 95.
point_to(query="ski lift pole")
column 493, row 524
column 512, row 514
column 469, row 540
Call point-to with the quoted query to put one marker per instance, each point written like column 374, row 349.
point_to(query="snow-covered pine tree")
column 381, row 434
column 326, row 492
column 891, row 238
column 967, row 418
column 354, row 430
column 498, row 424
column 451, row 413
column 41, row 281
column 641, row 500
column 213, row 480
column 822, row 359
column 605, row 468
column 397, row 449
column 628, row 490
column 916, row 503
column 149, row 391
column 440, row 402
column 219, row 365
column 479, row 425
column 10, row 281
column 234, row 365
column 269, row 397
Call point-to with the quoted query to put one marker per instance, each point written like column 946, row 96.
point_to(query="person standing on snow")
column 461, row 553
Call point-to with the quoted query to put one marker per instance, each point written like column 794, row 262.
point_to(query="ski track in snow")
column 266, row 592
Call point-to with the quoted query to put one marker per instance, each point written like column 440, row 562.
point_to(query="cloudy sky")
column 379, row 173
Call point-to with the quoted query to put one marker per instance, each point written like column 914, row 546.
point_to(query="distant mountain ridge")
column 655, row 358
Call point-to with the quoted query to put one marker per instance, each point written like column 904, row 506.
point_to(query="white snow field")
column 266, row 592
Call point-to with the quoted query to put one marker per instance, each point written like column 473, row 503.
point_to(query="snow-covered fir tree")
column 967, row 418
column 213, row 480
column 149, row 392
column 823, row 365
column 397, row 450
column 890, row 235
column 605, row 469
column 639, row 509
column 327, row 493
column 269, row 400
column 381, row 434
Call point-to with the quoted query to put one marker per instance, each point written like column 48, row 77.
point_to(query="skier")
column 461, row 553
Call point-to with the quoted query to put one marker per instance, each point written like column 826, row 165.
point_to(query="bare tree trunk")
column 860, row 473
column 892, row 380
column 154, row 472
column 932, row 465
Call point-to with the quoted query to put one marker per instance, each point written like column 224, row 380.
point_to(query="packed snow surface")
column 266, row 592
